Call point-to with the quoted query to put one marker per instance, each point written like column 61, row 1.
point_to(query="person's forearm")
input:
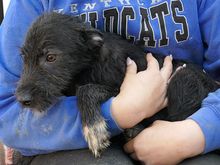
column 59, row 128
column 167, row 142
column 121, row 114
column 194, row 142
column 208, row 118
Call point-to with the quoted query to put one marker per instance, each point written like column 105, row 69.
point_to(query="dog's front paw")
column 133, row 132
column 97, row 137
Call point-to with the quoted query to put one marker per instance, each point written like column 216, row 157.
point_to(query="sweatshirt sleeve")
column 208, row 118
column 31, row 132
column 209, row 22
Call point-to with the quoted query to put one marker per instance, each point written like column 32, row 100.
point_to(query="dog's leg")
column 89, row 98
column 131, row 133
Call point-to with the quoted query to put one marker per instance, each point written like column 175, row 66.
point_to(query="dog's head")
column 57, row 47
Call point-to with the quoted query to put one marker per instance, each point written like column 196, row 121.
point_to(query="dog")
column 60, row 51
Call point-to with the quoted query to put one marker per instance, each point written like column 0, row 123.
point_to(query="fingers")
column 131, row 67
column 129, row 147
column 134, row 156
column 152, row 63
column 177, row 69
column 167, row 69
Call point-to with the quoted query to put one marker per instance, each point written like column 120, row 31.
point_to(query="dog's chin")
column 42, row 105
column 35, row 107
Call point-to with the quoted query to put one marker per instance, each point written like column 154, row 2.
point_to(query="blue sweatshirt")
column 187, row 29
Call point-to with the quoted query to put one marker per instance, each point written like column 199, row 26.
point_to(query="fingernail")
column 171, row 57
column 129, row 61
column 184, row 65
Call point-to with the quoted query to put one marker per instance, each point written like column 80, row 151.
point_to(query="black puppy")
column 60, row 51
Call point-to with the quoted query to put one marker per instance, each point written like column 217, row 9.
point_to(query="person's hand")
column 142, row 94
column 167, row 142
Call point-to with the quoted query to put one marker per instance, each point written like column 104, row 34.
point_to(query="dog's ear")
column 93, row 39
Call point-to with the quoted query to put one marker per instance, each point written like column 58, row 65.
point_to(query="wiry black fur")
column 96, row 62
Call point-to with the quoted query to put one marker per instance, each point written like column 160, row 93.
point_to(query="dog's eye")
column 51, row 57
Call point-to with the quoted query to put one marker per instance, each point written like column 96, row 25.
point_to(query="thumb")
column 129, row 147
column 131, row 67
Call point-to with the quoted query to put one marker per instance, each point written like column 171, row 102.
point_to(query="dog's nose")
column 25, row 100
